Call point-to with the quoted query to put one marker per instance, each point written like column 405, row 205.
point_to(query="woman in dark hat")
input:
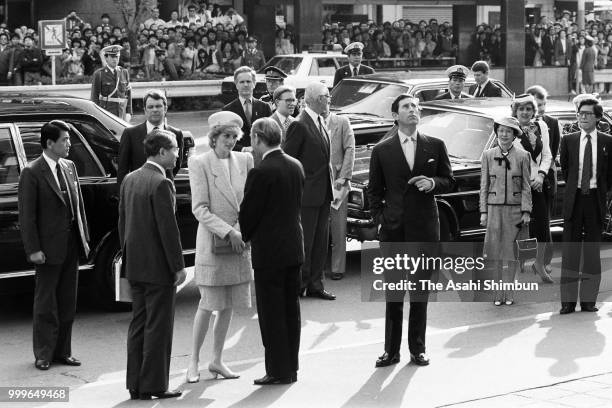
column 505, row 203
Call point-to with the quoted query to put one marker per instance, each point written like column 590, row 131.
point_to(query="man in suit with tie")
column 355, row 55
column 246, row 106
column 308, row 141
column 456, row 80
column 285, row 101
column 342, row 162
column 270, row 220
column 131, row 148
column 483, row 88
column 587, row 170
column 407, row 169
column 55, row 234
column 153, row 261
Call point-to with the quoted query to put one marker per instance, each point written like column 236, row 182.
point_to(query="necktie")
column 354, row 71
column 286, row 123
column 155, row 128
column 63, row 186
column 409, row 151
column 477, row 94
column 587, row 167
column 323, row 131
column 248, row 111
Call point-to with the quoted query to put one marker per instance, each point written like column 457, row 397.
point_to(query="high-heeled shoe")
column 509, row 302
column 548, row 268
column 192, row 379
column 497, row 300
column 223, row 372
column 542, row 273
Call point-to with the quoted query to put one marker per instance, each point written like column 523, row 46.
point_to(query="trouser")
column 315, row 223
column 55, row 297
column 338, row 237
column 540, row 224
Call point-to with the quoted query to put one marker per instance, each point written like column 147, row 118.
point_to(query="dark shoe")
column 134, row 394
column 567, row 310
column 42, row 364
column 160, row 395
column 420, row 359
column 589, row 309
column 269, row 380
column 321, row 294
column 71, row 361
column 386, row 360
column 337, row 276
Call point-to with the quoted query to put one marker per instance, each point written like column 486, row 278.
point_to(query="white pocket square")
column 431, row 160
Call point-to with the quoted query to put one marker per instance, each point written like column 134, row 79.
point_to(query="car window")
column 372, row 98
column 9, row 167
column 465, row 135
column 426, row 95
column 289, row 65
column 80, row 154
column 101, row 141
column 326, row 67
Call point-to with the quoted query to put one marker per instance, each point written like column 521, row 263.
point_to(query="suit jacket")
column 395, row 203
column 283, row 130
column 215, row 202
column 305, row 142
column 490, row 90
column 347, row 71
column 559, row 55
column 589, row 58
column 570, row 151
column 342, row 147
column 44, row 216
column 259, row 110
column 447, row 95
column 554, row 138
column 148, row 232
column 270, row 212
column 132, row 154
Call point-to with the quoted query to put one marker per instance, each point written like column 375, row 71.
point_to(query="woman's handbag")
column 221, row 246
column 524, row 249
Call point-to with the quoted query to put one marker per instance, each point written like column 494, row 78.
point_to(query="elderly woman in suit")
column 505, row 202
column 223, row 270
column 534, row 140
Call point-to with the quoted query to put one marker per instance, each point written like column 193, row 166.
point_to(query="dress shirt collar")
column 404, row 136
column 270, row 151
column 593, row 135
column 150, row 126
column 313, row 115
column 281, row 117
column 244, row 99
column 52, row 163
column 353, row 69
column 158, row 166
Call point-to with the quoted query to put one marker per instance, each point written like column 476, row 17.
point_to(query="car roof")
column 403, row 78
column 493, row 107
column 21, row 104
column 313, row 54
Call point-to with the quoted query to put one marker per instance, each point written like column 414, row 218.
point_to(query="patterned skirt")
column 502, row 232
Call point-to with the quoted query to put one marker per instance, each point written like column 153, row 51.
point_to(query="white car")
column 301, row 69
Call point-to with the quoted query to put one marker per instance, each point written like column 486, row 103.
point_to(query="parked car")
column 466, row 127
column 300, row 69
column 94, row 136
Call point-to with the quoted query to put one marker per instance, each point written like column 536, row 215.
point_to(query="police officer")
column 355, row 55
column 275, row 77
column 111, row 88
column 456, row 79
column 251, row 56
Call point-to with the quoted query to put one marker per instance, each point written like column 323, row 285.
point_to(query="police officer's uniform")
column 111, row 89
column 273, row 73
column 460, row 72
column 253, row 58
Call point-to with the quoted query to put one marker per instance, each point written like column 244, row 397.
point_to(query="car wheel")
column 103, row 290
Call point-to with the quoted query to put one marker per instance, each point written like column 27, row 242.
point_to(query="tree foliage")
column 135, row 12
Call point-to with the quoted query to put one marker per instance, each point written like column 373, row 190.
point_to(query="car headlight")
column 356, row 197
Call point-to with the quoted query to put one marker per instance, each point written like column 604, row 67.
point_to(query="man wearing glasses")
column 285, row 102
column 111, row 88
column 587, row 171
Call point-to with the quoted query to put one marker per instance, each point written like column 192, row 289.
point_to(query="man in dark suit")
column 586, row 168
column 554, row 137
column 307, row 140
column 153, row 261
column 270, row 220
column 355, row 55
column 54, row 232
column 456, row 80
column 483, row 88
column 246, row 106
column 131, row 148
column 406, row 170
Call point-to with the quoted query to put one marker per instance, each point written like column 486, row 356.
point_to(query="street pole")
column 53, row 70
column 580, row 14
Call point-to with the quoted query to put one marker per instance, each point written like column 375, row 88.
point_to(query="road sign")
column 52, row 35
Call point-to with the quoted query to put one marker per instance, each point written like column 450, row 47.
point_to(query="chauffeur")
column 111, row 88
column 355, row 54
column 456, row 79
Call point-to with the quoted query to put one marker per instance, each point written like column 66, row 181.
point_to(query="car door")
column 323, row 70
column 12, row 253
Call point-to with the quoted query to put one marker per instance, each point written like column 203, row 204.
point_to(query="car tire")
column 103, row 289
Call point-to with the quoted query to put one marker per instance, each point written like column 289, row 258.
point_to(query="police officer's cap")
column 355, row 47
column 111, row 49
column 457, row 71
column 224, row 118
column 251, row 39
column 274, row 73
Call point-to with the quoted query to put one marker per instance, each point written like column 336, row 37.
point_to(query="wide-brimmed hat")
column 224, row 118
column 510, row 122
column 524, row 98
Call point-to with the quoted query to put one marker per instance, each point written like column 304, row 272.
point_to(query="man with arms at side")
column 110, row 88
column 246, row 106
column 587, row 170
column 483, row 86
column 270, row 220
column 407, row 170
column 131, row 149
column 308, row 141
column 355, row 67
column 342, row 162
column 153, row 262
column 54, row 232
column 275, row 77
column 285, row 101
column 456, row 80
